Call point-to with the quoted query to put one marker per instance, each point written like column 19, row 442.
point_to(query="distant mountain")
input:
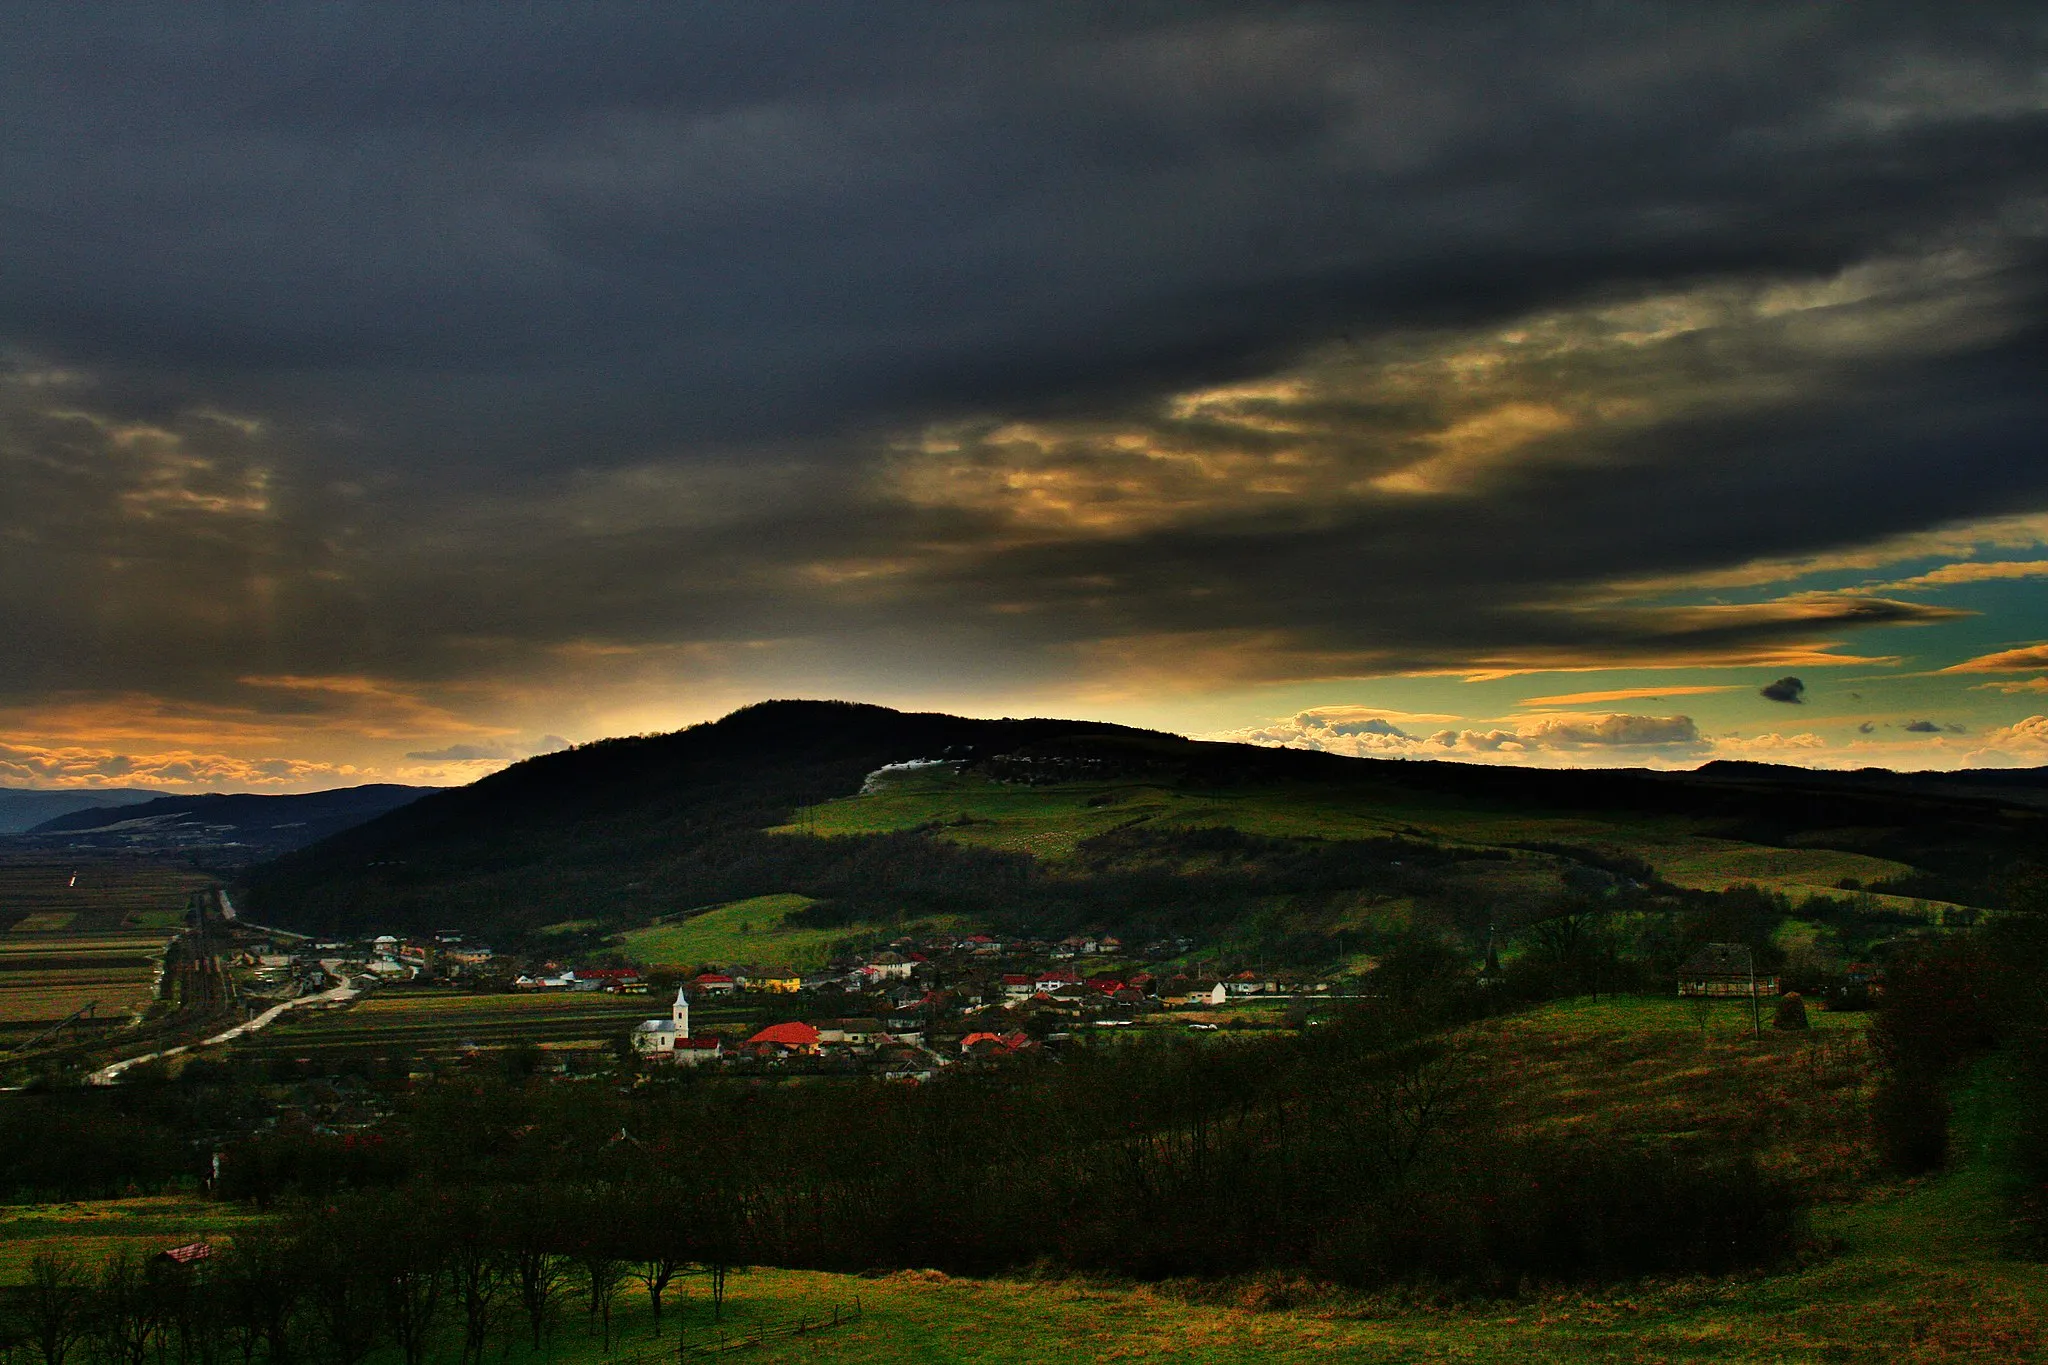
column 22, row 808
column 247, row 827
column 623, row 830
column 2024, row 786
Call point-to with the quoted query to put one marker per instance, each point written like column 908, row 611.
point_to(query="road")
column 107, row 1075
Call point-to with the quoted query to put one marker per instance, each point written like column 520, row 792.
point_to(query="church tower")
column 680, row 1013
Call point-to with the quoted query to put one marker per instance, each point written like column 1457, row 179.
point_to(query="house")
column 697, row 1051
column 1207, row 993
column 1106, row 985
column 994, row 1044
column 1019, row 985
column 854, row 1032
column 656, row 1039
column 714, row 983
column 776, row 982
column 887, row 967
column 790, row 1037
column 1050, row 982
column 1723, row 970
column 524, row 982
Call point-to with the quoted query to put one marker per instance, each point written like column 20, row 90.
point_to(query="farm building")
column 1722, row 970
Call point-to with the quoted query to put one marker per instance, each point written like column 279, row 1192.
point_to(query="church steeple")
column 680, row 1013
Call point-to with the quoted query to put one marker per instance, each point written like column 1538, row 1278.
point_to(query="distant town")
column 905, row 1010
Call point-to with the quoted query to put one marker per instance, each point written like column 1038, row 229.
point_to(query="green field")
column 84, row 930
column 751, row 931
column 93, row 1230
column 1050, row 821
column 424, row 1020
column 95, row 893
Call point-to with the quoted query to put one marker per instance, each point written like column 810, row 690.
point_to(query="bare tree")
column 127, row 1323
column 55, row 1306
column 477, row 1276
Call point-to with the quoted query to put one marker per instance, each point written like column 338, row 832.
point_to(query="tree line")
column 1362, row 1152
column 433, row 1276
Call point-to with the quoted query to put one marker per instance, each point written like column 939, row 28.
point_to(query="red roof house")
column 801, row 1037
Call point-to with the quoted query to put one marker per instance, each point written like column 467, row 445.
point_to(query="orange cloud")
column 1624, row 694
column 82, row 766
column 2014, row 687
column 368, row 708
column 2004, row 661
column 1970, row 571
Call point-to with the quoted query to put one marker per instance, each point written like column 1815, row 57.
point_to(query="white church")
column 669, row 1040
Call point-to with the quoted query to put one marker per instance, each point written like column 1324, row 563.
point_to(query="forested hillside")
column 1048, row 826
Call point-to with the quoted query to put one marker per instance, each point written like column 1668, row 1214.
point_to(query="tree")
column 532, row 1234
column 656, row 1241
column 54, row 1308
column 340, row 1253
column 413, row 1265
column 477, row 1271
column 259, row 1290
column 127, row 1324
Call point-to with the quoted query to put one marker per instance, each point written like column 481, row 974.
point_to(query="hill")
column 245, row 827
column 1047, row 826
column 22, row 808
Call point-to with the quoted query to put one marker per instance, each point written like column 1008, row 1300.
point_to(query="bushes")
column 1545, row 1211
column 1937, row 1012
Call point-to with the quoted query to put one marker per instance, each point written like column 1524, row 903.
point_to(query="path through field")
column 107, row 1075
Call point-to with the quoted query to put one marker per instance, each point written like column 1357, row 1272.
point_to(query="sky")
column 389, row 392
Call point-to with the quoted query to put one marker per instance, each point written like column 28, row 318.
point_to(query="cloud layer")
column 389, row 387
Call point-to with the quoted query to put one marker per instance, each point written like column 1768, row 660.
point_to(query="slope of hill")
column 23, row 808
column 246, row 825
column 1049, row 825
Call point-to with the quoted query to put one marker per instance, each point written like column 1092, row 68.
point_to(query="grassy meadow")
column 754, row 930
column 1050, row 821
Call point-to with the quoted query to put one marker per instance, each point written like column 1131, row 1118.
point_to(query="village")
column 907, row 1009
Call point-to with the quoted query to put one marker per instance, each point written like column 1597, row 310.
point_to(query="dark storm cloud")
column 441, row 342
column 1787, row 689
column 643, row 227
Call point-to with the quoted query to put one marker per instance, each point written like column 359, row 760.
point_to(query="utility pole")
column 1756, row 1022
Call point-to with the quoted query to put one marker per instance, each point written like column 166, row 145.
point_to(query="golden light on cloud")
column 1466, row 449
column 1431, row 414
column 2014, row 687
column 1969, row 571
column 2021, row 660
column 2009, row 533
column 88, row 766
column 1626, row 694
column 369, row 707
